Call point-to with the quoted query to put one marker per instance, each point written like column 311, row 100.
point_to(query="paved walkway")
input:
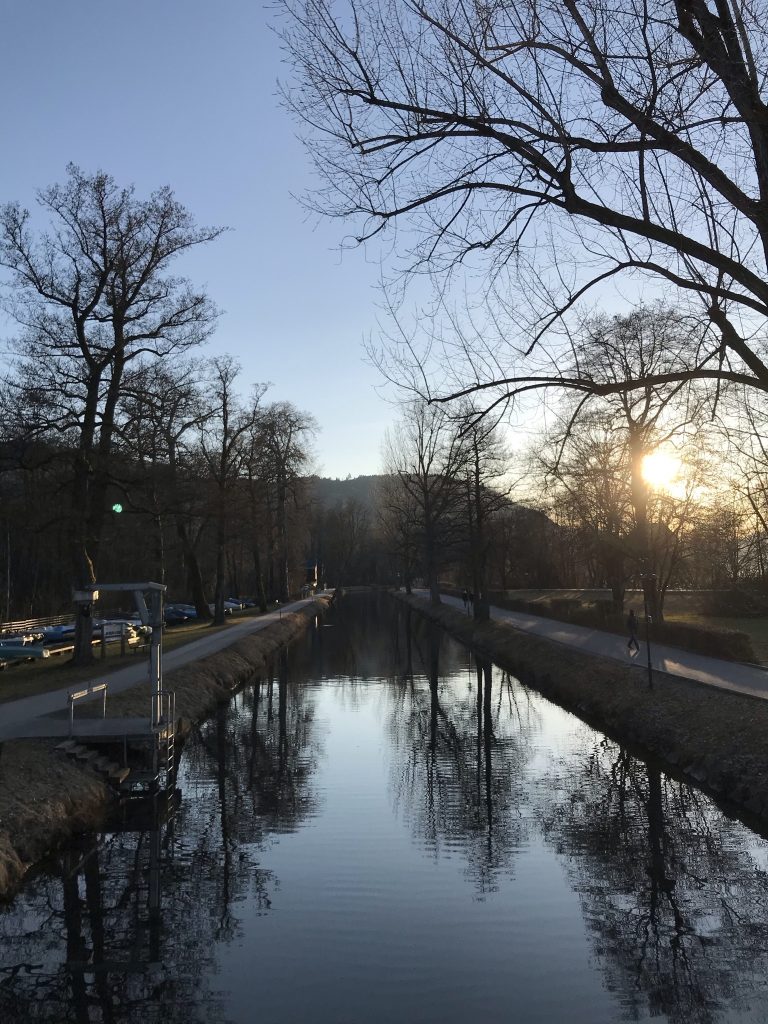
column 17, row 717
column 726, row 675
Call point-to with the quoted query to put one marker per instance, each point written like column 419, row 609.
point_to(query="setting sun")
column 661, row 471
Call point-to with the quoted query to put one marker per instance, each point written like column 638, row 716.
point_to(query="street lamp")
column 648, row 578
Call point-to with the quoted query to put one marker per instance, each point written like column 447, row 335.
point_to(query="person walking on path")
column 633, row 647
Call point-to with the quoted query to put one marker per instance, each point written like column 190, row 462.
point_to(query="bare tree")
column 162, row 413
column 650, row 343
column 571, row 143
column 91, row 295
column 428, row 454
column 224, row 432
column 485, row 496
column 585, row 474
column 397, row 518
column 285, row 434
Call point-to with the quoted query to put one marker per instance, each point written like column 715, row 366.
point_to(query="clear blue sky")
column 183, row 92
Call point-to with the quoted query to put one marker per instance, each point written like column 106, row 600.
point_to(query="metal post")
column 156, row 656
column 646, row 578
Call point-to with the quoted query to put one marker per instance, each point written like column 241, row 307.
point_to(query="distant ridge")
column 332, row 492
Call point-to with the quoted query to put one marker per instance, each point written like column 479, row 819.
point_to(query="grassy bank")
column 715, row 738
column 46, row 799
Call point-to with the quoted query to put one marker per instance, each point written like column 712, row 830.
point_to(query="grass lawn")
column 56, row 672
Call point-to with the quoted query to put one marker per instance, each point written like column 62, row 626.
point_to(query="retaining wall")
column 46, row 799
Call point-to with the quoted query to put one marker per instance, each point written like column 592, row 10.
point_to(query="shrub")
column 564, row 607
column 731, row 644
column 740, row 603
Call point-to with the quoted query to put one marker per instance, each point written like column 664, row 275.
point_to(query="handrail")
column 88, row 692
column 167, row 708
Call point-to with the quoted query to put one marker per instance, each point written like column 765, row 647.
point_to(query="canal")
column 382, row 828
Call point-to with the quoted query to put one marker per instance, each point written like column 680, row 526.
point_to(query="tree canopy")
column 565, row 143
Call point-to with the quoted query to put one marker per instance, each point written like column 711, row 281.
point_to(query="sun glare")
column 662, row 471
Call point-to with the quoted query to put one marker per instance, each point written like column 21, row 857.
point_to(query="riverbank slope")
column 716, row 738
column 45, row 798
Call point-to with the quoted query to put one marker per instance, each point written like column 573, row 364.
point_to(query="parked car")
column 187, row 609
column 212, row 608
column 173, row 616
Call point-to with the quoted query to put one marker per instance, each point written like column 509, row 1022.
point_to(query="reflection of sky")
column 363, row 880
column 383, row 928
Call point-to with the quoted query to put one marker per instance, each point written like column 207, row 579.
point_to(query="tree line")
column 550, row 160
column 124, row 453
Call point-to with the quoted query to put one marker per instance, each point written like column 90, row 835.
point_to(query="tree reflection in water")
column 673, row 898
column 460, row 743
column 135, row 926
column 125, row 927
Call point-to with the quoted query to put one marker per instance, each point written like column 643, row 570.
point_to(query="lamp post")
column 646, row 578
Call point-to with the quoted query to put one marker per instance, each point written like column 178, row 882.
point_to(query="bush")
column 739, row 603
column 564, row 607
column 730, row 644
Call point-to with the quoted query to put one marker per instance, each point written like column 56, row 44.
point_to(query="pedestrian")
column 471, row 601
column 633, row 647
column 465, row 597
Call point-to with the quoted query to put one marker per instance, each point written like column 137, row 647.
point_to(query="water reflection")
column 674, row 893
column 382, row 827
column 457, row 764
column 125, row 927
column 90, row 939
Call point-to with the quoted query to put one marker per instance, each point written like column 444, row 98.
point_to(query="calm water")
column 384, row 830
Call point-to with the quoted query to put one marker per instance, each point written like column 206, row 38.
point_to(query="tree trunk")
column 83, row 576
column 259, row 574
column 194, row 575
column 218, row 600
column 481, row 609
column 282, row 532
column 640, row 506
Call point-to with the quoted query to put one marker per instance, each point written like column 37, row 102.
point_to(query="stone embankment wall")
column 716, row 739
column 46, row 799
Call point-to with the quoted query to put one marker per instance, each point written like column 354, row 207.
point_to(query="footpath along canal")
column 384, row 828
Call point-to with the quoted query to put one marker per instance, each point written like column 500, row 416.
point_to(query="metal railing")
column 89, row 691
column 29, row 625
